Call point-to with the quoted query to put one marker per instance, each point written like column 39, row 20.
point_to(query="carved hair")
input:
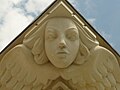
column 36, row 43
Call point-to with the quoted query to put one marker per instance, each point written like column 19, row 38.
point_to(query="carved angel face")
column 61, row 42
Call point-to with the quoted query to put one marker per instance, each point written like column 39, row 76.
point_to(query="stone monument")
column 60, row 54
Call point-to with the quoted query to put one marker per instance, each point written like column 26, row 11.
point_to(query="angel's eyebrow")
column 51, row 29
column 71, row 29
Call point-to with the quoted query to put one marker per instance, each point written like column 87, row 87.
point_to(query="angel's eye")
column 72, row 35
column 51, row 35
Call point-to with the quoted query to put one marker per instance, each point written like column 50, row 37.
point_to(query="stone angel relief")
column 60, row 55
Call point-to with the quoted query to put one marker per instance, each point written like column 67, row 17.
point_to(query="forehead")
column 61, row 23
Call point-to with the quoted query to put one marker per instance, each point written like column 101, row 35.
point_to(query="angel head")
column 60, row 41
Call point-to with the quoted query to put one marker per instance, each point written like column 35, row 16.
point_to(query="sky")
column 103, row 15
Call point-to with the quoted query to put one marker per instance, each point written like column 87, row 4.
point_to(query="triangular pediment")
column 59, row 50
column 59, row 8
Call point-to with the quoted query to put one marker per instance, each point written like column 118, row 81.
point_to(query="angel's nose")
column 62, row 44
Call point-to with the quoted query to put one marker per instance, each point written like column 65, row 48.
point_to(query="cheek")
column 50, row 46
column 73, row 45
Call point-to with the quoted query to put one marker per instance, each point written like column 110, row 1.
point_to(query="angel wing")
column 108, row 67
column 18, row 71
column 101, row 72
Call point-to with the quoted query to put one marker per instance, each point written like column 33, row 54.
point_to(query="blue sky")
column 104, row 15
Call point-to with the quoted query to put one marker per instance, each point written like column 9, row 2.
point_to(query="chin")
column 61, row 64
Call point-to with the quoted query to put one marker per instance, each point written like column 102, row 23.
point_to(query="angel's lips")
column 62, row 54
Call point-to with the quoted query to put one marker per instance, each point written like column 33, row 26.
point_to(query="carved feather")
column 22, row 73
